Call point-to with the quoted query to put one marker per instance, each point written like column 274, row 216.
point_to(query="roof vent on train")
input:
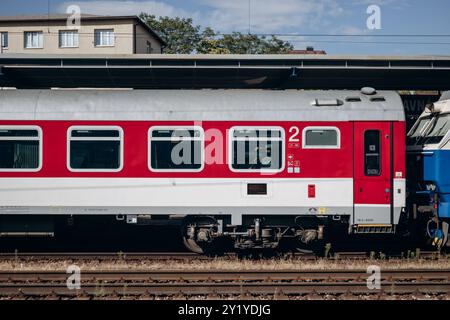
column 378, row 99
column 368, row 91
column 327, row 102
column 353, row 99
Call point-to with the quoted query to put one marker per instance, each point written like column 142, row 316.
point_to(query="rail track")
column 141, row 284
column 102, row 256
column 186, row 256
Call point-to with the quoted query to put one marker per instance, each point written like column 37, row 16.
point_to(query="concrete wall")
column 123, row 29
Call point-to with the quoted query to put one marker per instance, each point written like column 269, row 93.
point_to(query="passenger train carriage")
column 250, row 166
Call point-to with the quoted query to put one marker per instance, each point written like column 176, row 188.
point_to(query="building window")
column 4, row 39
column 321, row 138
column 174, row 149
column 104, row 37
column 20, row 149
column 68, row 39
column 149, row 47
column 34, row 39
column 372, row 153
column 256, row 149
column 98, row 149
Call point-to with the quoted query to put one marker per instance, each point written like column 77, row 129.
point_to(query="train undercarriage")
column 199, row 234
column 215, row 235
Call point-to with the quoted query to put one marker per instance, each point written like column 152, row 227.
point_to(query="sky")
column 298, row 21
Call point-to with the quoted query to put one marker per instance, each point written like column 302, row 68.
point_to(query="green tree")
column 182, row 36
column 211, row 44
column 239, row 43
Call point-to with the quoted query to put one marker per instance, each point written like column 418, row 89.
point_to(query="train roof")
column 198, row 105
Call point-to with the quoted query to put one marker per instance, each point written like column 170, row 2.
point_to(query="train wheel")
column 197, row 235
column 192, row 246
column 217, row 247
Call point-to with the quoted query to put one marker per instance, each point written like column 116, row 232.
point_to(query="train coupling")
column 440, row 236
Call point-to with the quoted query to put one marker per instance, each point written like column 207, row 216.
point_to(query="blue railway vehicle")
column 428, row 172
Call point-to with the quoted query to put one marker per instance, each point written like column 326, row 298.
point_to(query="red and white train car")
column 257, row 165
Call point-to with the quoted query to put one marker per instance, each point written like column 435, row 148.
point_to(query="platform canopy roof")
column 225, row 71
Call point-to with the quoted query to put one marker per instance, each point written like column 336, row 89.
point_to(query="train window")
column 95, row 149
column 256, row 149
column 419, row 130
column 20, row 149
column 419, row 127
column 372, row 153
column 173, row 149
column 438, row 130
column 321, row 138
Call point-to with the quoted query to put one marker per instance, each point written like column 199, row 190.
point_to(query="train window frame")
column 149, row 148
column 93, row 170
column 422, row 130
column 431, row 127
column 326, row 147
column 230, row 149
column 38, row 138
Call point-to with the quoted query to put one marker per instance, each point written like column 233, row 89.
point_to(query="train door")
column 373, row 153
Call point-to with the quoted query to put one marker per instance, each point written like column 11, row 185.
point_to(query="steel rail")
column 145, row 283
column 217, row 288
column 297, row 276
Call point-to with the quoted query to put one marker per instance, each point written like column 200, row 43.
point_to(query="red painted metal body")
column 345, row 162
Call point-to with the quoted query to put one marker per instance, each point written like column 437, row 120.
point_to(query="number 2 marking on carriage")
column 295, row 131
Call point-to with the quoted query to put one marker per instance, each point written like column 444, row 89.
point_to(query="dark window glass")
column 257, row 149
column 19, row 154
column 96, row 133
column 176, row 150
column 95, row 154
column 175, row 134
column 18, row 133
column 321, row 138
column 416, row 133
column 372, row 153
column 4, row 39
column 257, row 134
column 438, row 130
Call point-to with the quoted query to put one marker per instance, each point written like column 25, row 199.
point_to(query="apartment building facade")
column 56, row 34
